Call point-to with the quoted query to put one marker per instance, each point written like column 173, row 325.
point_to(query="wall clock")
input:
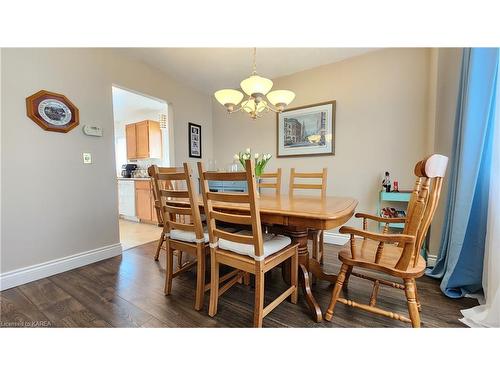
column 52, row 112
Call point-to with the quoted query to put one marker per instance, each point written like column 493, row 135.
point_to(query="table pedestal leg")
column 300, row 236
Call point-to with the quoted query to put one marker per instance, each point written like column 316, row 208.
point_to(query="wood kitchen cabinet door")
column 155, row 139
column 131, row 141
column 143, row 209
column 142, row 139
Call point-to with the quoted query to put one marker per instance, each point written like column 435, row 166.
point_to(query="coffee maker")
column 127, row 170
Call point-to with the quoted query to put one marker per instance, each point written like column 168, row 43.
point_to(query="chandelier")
column 259, row 97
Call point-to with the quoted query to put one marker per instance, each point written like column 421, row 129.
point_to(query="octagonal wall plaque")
column 51, row 111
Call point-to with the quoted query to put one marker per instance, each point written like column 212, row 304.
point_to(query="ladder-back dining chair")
column 319, row 183
column 271, row 180
column 250, row 251
column 396, row 255
column 180, row 236
column 157, row 185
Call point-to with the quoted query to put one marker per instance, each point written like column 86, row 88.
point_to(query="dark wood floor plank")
column 61, row 308
column 101, row 301
column 127, row 291
column 18, row 311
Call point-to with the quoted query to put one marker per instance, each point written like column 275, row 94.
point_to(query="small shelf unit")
column 393, row 196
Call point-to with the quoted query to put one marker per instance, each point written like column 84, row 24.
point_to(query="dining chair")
column 157, row 185
column 181, row 236
column 297, row 183
column 275, row 184
column 250, row 251
column 396, row 255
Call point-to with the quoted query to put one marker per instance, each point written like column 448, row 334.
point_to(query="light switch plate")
column 87, row 158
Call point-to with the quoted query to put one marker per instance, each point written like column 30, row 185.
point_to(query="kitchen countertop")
column 134, row 178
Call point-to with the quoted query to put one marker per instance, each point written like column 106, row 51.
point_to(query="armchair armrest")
column 380, row 219
column 378, row 236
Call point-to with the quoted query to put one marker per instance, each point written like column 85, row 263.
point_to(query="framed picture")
column 307, row 130
column 194, row 134
column 52, row 111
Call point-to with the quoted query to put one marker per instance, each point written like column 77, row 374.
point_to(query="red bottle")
column 396, row 185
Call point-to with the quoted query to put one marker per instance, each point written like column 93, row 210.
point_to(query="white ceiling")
column 210, row 69
column 130, row 107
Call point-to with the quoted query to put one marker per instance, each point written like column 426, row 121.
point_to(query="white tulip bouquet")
column 260, row 160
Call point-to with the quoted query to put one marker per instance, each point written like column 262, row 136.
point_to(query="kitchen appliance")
column 127, row 170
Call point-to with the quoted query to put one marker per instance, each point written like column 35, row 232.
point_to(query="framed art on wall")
column 52, row 111
column 194, row 134
column 307, row 130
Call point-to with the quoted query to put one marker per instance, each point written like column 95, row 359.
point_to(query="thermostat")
column 93, row 130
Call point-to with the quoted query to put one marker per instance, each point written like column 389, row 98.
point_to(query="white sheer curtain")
column 488, row 314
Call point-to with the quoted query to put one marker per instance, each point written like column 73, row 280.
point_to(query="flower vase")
column 257, row 181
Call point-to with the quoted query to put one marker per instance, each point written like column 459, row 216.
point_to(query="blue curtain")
column 460, row 259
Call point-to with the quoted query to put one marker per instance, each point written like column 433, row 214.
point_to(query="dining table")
column 295, row 215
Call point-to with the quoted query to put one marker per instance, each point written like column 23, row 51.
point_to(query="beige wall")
column 381, row 122
column 53, row 205
column 449, row 64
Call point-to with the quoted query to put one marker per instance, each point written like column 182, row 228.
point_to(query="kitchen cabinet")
column 144, row 202
column 143, row 140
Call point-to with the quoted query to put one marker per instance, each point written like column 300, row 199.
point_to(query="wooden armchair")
column 316, row 236
column 248, row 251
column 397, row 255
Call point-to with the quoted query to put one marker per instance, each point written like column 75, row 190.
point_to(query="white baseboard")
column 25, row 275
column 129, row 218
column 335, row 238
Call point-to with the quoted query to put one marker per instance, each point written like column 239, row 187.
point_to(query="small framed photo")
column 194, row 139
column 307, row 130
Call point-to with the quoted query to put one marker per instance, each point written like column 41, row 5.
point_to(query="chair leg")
column 294, row 275
column 169, row 271
column 214, row 284
column 336, row 291
column 246, row 279
column 200, row 277
column 258, row 312
column 158, row 249
column 412, row 302
column 179, row 258
column 321, row 250
column 315, row 251
column 348, row 274
column 315, row 241
column 417, row 298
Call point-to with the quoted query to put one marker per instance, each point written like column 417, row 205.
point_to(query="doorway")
column 142, row 138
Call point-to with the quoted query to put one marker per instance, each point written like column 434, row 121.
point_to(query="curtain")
column 461, row 254
column 488, row 314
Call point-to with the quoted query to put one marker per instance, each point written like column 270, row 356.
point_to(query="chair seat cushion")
column 186, row 236
column 364, row 257
column 272, row 244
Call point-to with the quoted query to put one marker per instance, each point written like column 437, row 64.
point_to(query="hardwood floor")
column 127, row 291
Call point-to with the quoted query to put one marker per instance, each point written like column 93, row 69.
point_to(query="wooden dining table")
column 294, row 215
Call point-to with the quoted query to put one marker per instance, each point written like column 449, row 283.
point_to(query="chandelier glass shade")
column 259, row 97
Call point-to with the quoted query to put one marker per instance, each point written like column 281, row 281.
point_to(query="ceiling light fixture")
column 259, row 97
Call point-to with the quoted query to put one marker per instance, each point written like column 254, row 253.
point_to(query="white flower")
column 247, row 150
column 246, row 157
column 236, row 157
column 256, row 156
